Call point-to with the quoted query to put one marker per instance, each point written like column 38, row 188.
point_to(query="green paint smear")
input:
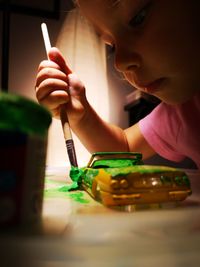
column 76, row 176
column 69, row 187
column 65, row 191
column 52, row 192
column 78, row 197
column 142, row 169
column 114, row 163
column 53, row 181
column 59, row 190
column 88, row 174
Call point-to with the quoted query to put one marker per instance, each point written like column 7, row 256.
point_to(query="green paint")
column 115, row 159
column 76, row 174
column 69, row 187
column 182, row 180
column 78, row 197
column 135, row 155
column 178, row 180
column 142, row 169
column 113, row 163
column 61, row 193
column 186, row 181
column 63, row 190
column 50, row 181
column 58, row 190
column 114, row 166
column 89, row 176
column 53, row 192
column 20, row 114
column 121, row 167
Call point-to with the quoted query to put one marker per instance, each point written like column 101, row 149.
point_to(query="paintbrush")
column 63, row 114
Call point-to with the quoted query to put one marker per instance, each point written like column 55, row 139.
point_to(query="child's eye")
column 139, row 18
column 111, row 49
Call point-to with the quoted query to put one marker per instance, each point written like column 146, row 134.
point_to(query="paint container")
column 23, row 141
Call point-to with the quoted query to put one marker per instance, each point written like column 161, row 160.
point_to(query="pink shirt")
column 174, row 131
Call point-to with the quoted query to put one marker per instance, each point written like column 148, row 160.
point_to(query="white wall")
column 26, row 51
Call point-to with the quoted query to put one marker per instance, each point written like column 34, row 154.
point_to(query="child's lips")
column 151, row 87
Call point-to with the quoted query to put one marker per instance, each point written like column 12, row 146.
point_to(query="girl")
column 156, row 46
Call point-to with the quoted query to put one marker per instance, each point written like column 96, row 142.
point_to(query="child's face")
column 157, row 43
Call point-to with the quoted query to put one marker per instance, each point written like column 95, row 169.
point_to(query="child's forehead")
column 109, row 4
column 114, row 2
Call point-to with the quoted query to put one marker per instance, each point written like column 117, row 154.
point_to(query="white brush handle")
column 63, row 115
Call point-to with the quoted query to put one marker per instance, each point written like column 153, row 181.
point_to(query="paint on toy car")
column 121, row 178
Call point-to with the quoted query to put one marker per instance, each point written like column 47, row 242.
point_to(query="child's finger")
column 48, row 64
column 55, row 99
column 48, row 86
column 56, row 56
column 53, row 73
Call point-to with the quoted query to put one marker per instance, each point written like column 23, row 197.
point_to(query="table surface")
column 78, row 231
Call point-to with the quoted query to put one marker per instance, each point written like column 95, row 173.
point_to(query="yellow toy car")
column 121, row 178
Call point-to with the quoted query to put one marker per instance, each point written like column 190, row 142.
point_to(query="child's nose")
column 125, row 59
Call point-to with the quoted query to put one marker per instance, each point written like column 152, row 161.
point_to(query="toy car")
column 121, row 178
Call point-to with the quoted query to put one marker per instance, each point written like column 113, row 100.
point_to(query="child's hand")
column 57, row 85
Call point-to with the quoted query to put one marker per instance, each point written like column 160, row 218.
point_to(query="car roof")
column 114, row 156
